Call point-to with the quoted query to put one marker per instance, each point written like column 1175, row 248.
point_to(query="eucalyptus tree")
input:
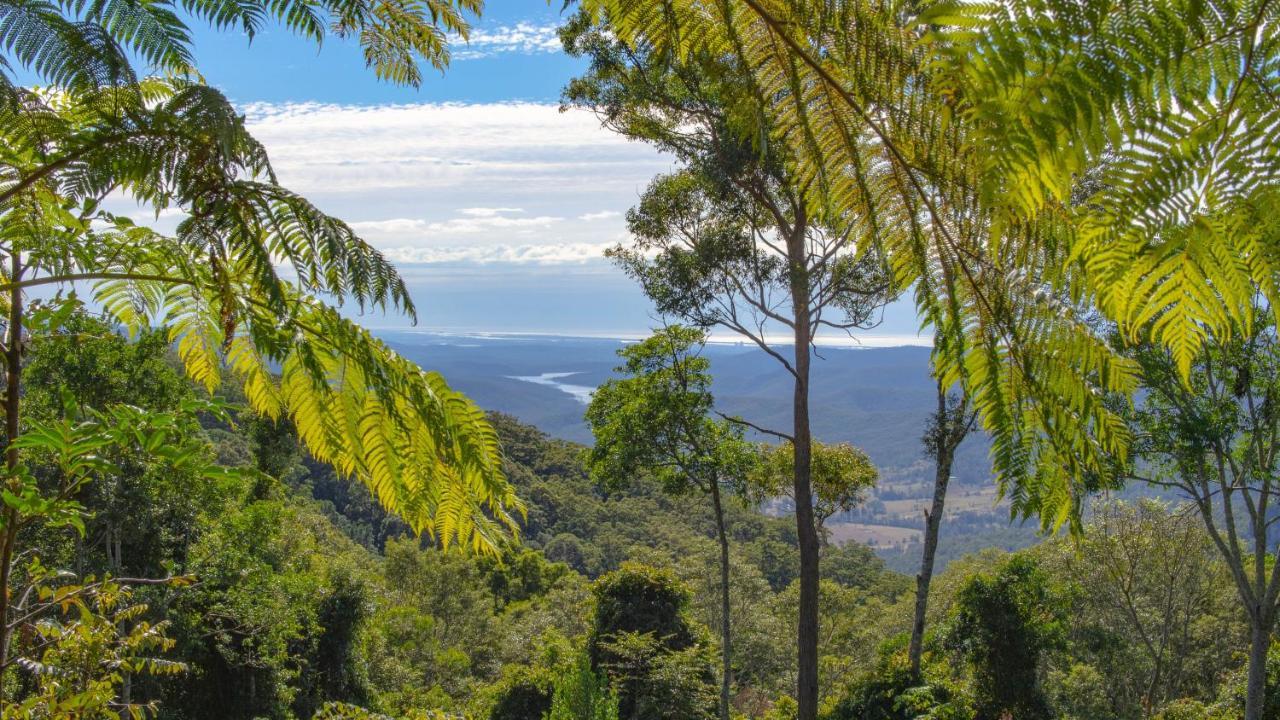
column 657, row 420
column 1214, row 438
column 218, row 284
column 729, row 241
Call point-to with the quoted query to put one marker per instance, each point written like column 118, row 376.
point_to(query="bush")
column 1187, row 709
column 1003, row 625
column 639, row 599
column 895, row 694
column 526, row 694
column 642, row 639
column 582, row 694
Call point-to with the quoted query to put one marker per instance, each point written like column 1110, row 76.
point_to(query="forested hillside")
column 878, row 399
column 290, row 588
column 293, row 588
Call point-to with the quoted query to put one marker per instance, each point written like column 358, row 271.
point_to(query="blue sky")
column 495, row 205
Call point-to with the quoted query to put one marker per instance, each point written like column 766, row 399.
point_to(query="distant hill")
column 876, row 398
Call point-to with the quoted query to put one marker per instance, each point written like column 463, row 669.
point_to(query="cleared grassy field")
column 983, row 500
column 877, row 536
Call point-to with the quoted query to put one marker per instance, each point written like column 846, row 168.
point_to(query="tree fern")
column 219, row 286
column 850, row 89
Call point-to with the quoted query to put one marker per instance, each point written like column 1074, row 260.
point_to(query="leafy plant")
column 1003, row 626
column 83, row 643
column 656, row 420
column 582, row 694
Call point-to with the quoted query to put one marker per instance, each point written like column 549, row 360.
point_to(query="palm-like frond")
column 35, row 34
column 183, row 145
column 849, row 88
column 425, row 451
column 1184, row 99
column 218, row 285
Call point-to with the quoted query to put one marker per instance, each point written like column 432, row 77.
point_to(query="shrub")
column 642, row 639
column 526, row 694
column 582, row 694
column 893, row 693
column 1003, row 625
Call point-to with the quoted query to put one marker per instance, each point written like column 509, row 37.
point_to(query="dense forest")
column 286, row 589
column 222, row 497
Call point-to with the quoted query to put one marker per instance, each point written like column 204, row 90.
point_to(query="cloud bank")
column 449, row 182
column 545, row 254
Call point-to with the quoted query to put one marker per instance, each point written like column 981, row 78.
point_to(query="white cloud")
column 522, row 38
column 538, row 254
column 468, row 152
column 489, row 211
column 453, row 226
column 488, row 181
column 602, row 215
column 150, row 216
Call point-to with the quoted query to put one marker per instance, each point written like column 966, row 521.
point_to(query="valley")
column 877, row 398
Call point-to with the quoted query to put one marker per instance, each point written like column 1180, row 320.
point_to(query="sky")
column 495, row 205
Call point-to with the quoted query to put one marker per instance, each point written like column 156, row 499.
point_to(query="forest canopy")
column 222, row 497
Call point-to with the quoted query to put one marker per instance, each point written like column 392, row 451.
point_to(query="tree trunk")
column 932, row 524
column 726, row 646
column 1259, row 644
column 13, row 378
column 806, row 531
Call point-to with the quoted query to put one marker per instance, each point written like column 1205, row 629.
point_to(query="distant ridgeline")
column 875, row 398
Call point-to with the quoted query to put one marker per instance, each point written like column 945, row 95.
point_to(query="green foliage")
column 1153, row 613
column 641, row 637
column 343, row 711
column 656, row 419
column 528, row 693
column 892, row 693
column 842, row 475
column 83, row 47
column 520, row 574
column 655, row 680
column 1188, row 709
column 86, row 644
column 643, row 600
column 1004, row 625
column 583, row 694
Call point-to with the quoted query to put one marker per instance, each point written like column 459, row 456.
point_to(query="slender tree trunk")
column 806, row 529
column 1259, row 643
column 932, row 525
column 13, row 383
column 726, row 636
